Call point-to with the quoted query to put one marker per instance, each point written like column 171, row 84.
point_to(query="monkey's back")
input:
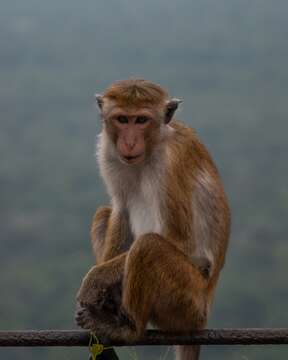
column 198, row 215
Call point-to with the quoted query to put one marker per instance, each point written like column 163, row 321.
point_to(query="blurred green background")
column 227, row 59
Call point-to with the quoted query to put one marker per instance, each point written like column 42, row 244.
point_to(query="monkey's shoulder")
column 187, row 148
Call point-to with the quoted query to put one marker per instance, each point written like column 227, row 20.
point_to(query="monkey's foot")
column 109, row 325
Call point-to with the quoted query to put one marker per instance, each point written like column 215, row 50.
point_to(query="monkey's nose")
column 130, row 146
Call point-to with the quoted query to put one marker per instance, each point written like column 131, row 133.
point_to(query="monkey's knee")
column 145, row 248
column 98, row 230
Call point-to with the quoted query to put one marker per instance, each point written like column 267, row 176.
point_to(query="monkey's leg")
column 98, row 231
column 161, row 284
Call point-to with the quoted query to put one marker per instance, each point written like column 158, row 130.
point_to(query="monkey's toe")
column 84, row 318
column 84, row 322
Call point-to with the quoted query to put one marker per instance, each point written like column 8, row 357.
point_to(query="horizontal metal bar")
column 249, row 336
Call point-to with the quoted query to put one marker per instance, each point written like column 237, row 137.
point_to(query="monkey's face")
column 134, row 112
column 133, row 131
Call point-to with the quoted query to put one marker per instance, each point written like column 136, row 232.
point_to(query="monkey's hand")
column 101, row 289
column 113, row 326
column 203, row 265
column 99, row 283
column 99, row 304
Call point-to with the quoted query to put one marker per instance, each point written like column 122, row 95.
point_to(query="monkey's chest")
column 144, row 214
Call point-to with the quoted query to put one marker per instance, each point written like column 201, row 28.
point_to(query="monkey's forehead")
column 112, row 108
column 136, row 90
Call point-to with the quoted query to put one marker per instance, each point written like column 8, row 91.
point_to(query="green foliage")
column 226, row 59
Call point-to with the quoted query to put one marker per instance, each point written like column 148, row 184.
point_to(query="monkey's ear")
column 99, row 100
column 171, row 107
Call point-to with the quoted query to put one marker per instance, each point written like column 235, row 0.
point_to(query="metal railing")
column 250, row 336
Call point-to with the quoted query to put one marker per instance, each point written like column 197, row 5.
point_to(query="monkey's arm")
column 99, row 297
column 98, row 231
column 110, row 233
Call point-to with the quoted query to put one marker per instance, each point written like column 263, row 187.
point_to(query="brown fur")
column 98, row 231
column 136, row 93
column 167, row 276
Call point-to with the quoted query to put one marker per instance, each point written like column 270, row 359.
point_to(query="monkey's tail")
column 187, row 352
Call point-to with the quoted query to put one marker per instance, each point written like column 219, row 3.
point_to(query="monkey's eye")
column 122, row 119
column 141, row 120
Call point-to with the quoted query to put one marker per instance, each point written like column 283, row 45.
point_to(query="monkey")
column 161, row 244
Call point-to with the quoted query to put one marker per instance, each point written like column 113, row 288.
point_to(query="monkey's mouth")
column 132, row 159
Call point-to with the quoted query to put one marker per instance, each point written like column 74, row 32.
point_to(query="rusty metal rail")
column 152, row 337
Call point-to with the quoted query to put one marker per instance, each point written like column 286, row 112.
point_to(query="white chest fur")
column 144, row 208
column 138, row 190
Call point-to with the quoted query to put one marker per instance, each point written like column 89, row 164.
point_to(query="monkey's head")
column 134, row 113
